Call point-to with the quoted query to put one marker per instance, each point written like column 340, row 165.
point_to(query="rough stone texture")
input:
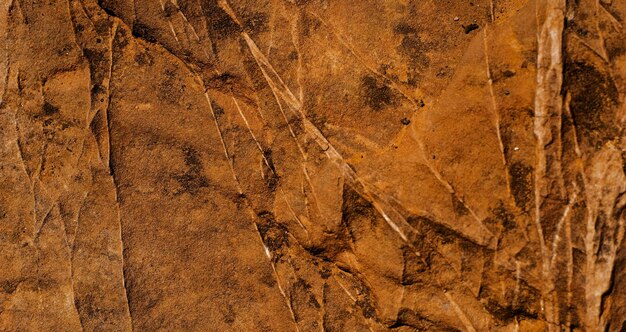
column 333, row 165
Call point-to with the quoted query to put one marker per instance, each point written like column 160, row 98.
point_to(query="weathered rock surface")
column 334, row 165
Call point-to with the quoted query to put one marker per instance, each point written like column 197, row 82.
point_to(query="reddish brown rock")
column 312, row 165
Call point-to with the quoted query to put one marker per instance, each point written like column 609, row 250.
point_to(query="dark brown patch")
column 302, row 2
column 522, row 184
column 431, row 232
column 220, row 24
column 367, row 308
column 415, row 266
column 229, row 314
column 273, row 234
column 86, row 306
column 170, row 9
column 255, row 22
column 96, row 58
column 309, row 24
column 302, row 299
column 192, row 180
column 171, row 89
column 10, row 285
column 97, row 125
column 269, row 170
column 119, row 42
column 356, row 210
column 594, row 99
column 413, row 47
column 145, row 32
column 470, row 27
column 459, row 207
column 504, row 217
column 111, row 7
column 409, row 318
column 49, row 109
column 268, row 279
column 615, row 50
column 377, row 95
column 217, row 109
column 508, row 73
column 403, row 28
column 525, row 306
column 144, row 59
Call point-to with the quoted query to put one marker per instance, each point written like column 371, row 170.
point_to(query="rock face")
column 307, row 165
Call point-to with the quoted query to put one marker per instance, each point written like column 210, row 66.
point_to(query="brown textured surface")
column 334, row 165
